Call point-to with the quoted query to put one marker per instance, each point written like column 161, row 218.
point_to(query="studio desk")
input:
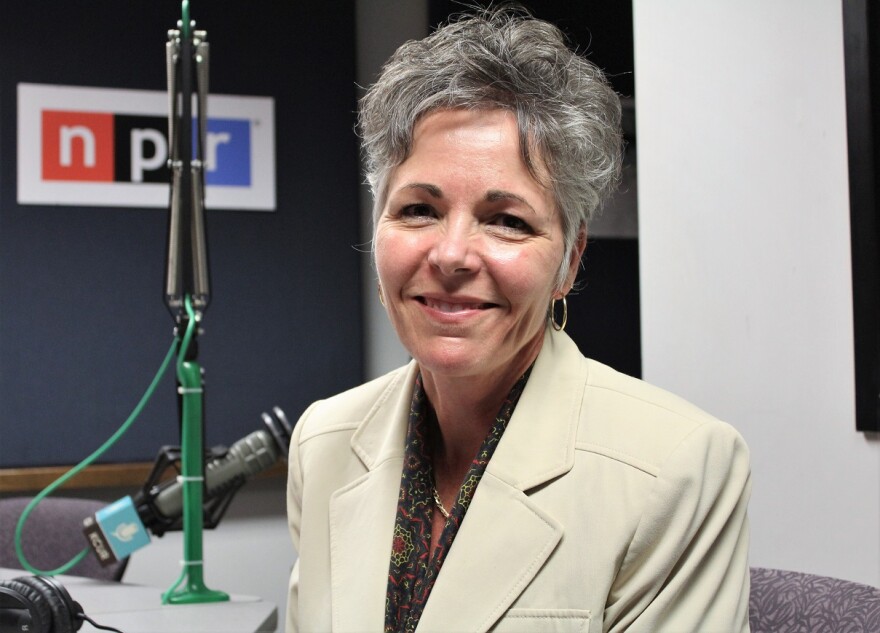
column 139, row 609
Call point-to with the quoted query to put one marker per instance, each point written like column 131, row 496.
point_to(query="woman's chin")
column 493, row 358
column 453, row 364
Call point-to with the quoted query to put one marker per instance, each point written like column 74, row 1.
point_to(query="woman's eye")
column 417, row 211
column 512, row 223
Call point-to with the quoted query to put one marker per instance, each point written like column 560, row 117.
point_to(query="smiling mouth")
column 452, row 308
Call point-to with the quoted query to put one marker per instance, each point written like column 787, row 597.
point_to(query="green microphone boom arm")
column 186, row 286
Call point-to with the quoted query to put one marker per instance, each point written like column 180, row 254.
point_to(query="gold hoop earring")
column 558, row 326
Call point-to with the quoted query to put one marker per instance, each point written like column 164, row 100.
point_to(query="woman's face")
column 468, row 247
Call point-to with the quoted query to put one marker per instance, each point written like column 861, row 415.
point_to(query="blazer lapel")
column 506, row 537
column 361, row 527
column 362, row 513
column 502, row 543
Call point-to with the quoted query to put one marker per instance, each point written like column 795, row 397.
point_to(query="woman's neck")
column 465, row 408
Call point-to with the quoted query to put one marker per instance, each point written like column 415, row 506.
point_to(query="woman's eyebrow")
column 432, row 190
column 498, row 194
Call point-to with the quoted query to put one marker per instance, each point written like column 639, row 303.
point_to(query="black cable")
column 83, row 616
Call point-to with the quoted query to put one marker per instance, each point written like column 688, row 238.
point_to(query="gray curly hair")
column 566, row 112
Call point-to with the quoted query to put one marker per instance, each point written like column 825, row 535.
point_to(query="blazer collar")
column 538, row 443
column 382, row 434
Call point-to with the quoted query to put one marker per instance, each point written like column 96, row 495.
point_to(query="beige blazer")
column 609, row 505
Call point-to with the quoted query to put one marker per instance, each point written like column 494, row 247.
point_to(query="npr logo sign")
column 93, row 146
column 88, row 146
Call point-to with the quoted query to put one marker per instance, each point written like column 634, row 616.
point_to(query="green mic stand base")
column 194, row 592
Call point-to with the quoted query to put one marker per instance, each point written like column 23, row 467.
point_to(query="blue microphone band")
column 116, row 531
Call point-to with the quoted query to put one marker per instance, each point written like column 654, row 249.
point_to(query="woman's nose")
column 454, row 252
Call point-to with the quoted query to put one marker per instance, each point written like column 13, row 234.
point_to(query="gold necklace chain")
column 439, row 505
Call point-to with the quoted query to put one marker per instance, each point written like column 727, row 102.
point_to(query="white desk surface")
column 139, row 609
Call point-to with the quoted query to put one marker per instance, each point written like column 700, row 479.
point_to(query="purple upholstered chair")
column 793, row 602
column 52, row 536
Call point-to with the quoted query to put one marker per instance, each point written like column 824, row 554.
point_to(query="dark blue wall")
column 83, row 326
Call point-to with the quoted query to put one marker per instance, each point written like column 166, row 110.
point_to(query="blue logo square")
column 227, row 152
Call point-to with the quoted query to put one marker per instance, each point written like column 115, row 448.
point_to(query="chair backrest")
column 787, row 601
column 52, row 536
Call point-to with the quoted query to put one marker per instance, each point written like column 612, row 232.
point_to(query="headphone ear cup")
column 62, row 609
column 38, row 606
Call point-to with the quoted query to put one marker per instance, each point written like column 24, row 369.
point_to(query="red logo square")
column 77, row 146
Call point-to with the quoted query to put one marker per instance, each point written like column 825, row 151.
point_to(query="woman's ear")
column 580, row 244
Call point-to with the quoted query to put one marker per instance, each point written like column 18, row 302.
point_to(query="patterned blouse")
column 411, row 574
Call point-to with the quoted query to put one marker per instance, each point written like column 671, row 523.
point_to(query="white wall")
column 745, row 261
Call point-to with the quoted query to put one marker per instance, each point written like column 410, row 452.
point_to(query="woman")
column 501, row 481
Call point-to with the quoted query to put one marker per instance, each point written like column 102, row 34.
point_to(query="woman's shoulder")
column 646, row 424
column 636, row 395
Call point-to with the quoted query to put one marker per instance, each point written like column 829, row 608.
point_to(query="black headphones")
column 38, row 604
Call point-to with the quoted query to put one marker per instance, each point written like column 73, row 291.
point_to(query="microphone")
column 122, row 527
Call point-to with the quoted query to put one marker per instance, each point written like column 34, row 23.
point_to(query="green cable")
column 181, row 358
column 187, row 336
column 184, row 18
column 79, row 467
